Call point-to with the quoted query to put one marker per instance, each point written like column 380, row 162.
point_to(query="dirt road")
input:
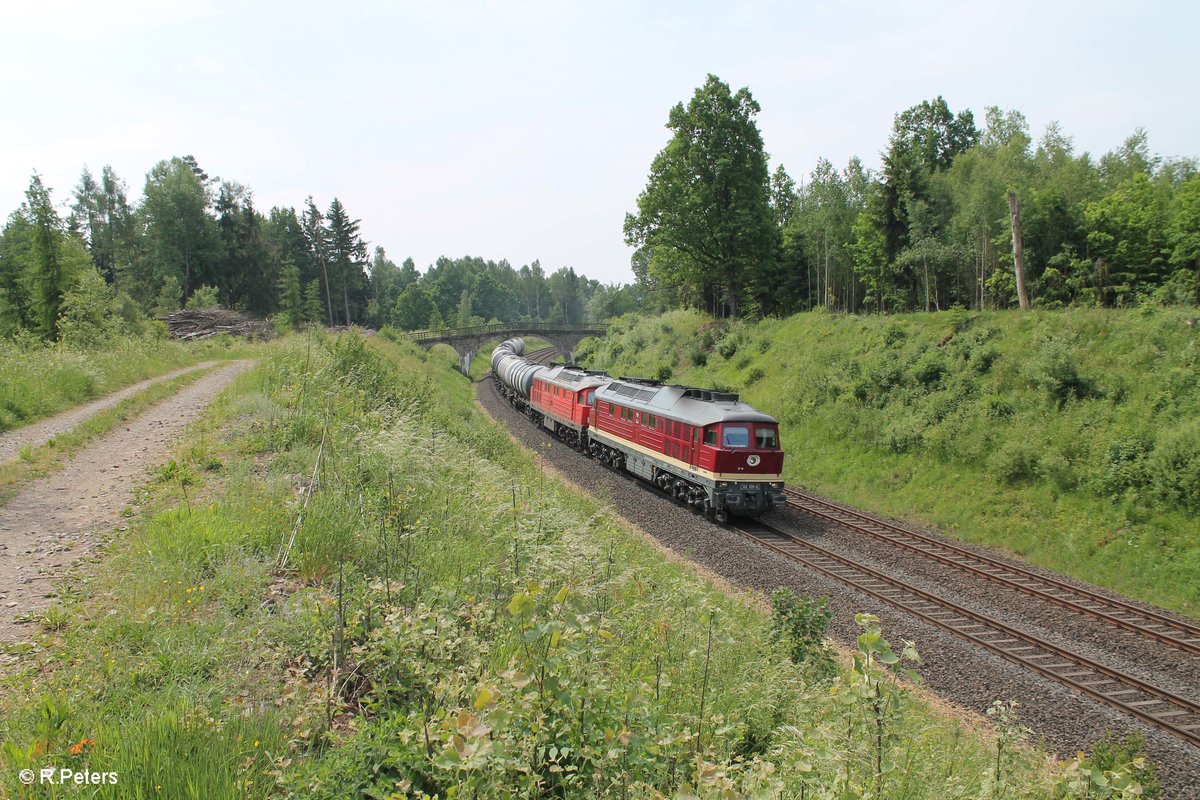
column 58, row 519
column 42, row 431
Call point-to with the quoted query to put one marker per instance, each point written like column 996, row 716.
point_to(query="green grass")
column 1068, row 437
column 39, row 379
column 452, row 622
column 37, row 462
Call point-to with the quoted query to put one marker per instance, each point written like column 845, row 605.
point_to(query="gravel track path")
column 38, row 433
column 953, row 669
column 56, row 520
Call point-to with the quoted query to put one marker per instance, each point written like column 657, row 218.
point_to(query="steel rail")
column 1181, row 635
column 1125, row 692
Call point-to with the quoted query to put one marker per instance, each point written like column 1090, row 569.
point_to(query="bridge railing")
column 505, row 327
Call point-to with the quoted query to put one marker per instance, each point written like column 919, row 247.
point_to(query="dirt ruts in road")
column 38, row 433
column 55, row 520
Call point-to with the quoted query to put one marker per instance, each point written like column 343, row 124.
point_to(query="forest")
column 716, row 229
column 192, row 240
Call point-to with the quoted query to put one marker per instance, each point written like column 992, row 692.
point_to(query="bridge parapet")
column 467, row 341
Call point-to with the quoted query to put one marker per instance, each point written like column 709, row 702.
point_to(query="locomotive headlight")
column 753, row 460
column 777, row 485
column 722, row 484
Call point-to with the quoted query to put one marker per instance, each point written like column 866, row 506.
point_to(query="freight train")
column 703, row 447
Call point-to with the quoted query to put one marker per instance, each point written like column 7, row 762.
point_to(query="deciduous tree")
column 705, row 217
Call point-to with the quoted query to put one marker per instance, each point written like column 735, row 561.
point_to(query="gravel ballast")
column 953, row 668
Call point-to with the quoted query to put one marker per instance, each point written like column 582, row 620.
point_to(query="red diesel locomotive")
column 703, row 447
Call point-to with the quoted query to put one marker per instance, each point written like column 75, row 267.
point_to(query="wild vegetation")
column 348, row 583
column 196, row 241
column 933, row 229
column 1068, row 437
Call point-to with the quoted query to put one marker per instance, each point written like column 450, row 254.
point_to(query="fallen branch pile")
column 192, row 324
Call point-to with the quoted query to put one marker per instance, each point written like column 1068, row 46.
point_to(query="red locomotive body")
column 703, row 446
column 561, row 399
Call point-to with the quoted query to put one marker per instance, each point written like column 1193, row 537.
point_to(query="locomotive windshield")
column 735, row 436
column 766, row 438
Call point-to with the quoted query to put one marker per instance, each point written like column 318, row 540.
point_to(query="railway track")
column 1151, row 704
column 1172, row 632
column 542, row 356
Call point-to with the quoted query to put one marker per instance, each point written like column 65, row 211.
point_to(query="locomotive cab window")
column 710, row 436
column 735, row 436
column 766, row 439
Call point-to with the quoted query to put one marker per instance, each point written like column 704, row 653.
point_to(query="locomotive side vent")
column 709, row 396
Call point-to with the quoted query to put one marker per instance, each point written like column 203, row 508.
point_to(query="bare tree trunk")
column 1014, row 215
column 925, row 263
column 826, row 237
column 328, row 296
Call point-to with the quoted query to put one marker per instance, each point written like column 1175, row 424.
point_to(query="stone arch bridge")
column 467, row 341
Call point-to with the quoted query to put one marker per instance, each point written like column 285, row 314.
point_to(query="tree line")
column 932, row 229
column 195, row 240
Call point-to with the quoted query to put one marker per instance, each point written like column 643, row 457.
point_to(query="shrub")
column 663, row 373
column 204, row 297
column 929, row 370
column 800, row 623
column 998, row 407
column 1055, row 372
column 1017, row 461
column 903, row 434
column 755, row 375
column 90, row 316
column 1128, row 755
column 1174, row 466
column 1125, row 466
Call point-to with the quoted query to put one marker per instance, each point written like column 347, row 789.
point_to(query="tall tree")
column 1183, row 233
column 183, row 239
column 47, row 270
column 316, row 238
column 705, row 216
column 925, row 140
column 348, row 258
column 247, row 273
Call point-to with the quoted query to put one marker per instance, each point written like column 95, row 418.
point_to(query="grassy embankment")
column 39, row 379
column 451, row 622
column 1070, row 437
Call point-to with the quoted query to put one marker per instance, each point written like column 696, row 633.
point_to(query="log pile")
column 193, row 324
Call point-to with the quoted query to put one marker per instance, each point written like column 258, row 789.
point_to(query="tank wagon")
column 705, row 448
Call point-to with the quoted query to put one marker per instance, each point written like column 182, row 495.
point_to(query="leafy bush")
column 204, row 297
column 1017, row 461
column 903, row 434
column 930, row 369
column 997, row 407
column 1125, row 466
column 90, row 315
column 800, row 623
column 1056, row 372
column 755, row 375
column 1174, row 466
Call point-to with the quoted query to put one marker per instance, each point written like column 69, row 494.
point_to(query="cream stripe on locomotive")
column 739, row 477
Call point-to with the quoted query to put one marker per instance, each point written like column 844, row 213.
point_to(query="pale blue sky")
column 525, row 129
